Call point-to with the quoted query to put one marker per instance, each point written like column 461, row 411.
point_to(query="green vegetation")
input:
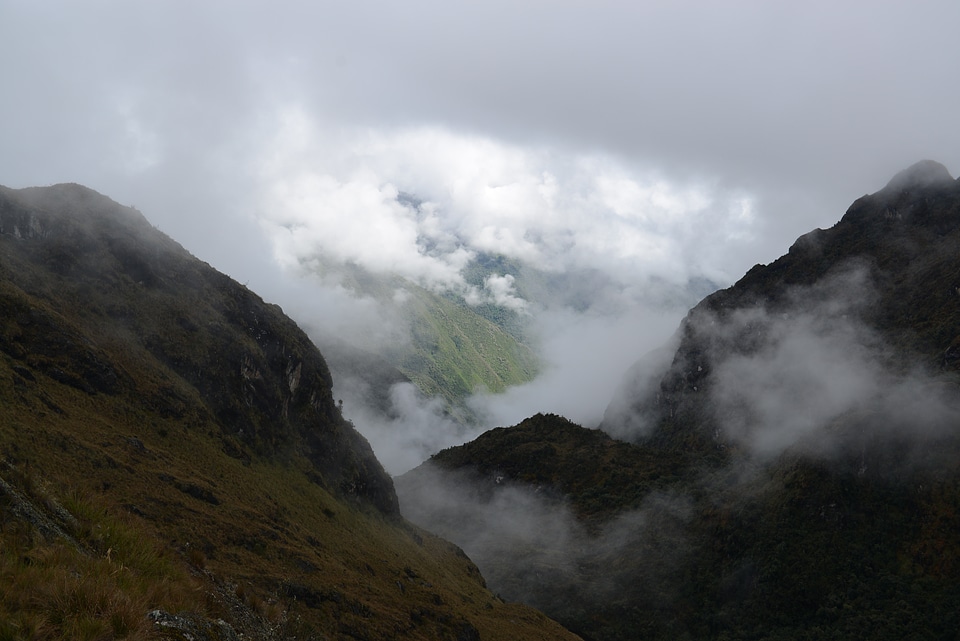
column 95, row 581
column 455, row 349
column 457, row 352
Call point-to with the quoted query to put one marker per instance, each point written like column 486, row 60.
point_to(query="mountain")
column 450, row 348
column 789, row 465
column 478, row 334
column 173, row 463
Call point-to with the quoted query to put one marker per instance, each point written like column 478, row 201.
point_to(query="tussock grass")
column 100, row 588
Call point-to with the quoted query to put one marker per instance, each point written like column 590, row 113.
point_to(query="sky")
column 645, row 140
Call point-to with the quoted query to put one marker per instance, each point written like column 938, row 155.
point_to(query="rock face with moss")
column 170, row 446
column 792, row 467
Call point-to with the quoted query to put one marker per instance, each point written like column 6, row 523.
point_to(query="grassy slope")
column 455, row 349
column 219, row 483
column 306, row 560
column 263, row 527
column 458, row 352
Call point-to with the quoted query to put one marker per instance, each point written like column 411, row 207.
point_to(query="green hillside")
column 455, row 349
column 458, row 352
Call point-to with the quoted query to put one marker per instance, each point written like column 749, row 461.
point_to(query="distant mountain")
column 173, row 463
column 453, row 348
column 478, row 335
column 793, row 464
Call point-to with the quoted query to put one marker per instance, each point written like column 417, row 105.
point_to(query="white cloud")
column 413, row 428
column 504, row 293
column 336, row 196
column 585, row 358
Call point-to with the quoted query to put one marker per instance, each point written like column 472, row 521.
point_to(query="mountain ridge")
column 792, row 466
column 173, row 463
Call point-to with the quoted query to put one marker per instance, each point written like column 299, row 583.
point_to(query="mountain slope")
column 794, row 470
column 169, row 444
column 452, row 349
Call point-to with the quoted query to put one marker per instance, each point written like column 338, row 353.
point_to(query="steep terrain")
column 173, row 463
column 793, row 469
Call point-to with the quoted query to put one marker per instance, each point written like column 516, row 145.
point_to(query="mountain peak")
column 925, row 173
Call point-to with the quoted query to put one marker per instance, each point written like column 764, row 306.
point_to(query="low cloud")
column 504, row 293
column 530, row 546
column 812, row 375
column 585, row 356
column 613, row 247
column 408, row 430
column 804, row 375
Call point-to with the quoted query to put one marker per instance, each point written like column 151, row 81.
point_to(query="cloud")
column 421, row 202
column 530, row 547
column 410, row 430
column 808, row 372
column 635, row 141
column 503, row 292
column 585, row 356
column 812, row 375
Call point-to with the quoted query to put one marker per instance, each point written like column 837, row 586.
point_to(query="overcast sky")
column 669, row 139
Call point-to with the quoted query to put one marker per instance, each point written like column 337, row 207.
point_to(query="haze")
column 654, row 142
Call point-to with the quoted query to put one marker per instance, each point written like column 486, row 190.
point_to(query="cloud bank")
column 637, row 140
column 421, row 202
column 810, row 374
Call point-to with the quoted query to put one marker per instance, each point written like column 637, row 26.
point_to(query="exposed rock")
column 190, row 627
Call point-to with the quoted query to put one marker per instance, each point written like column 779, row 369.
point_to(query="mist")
column 811, row 375
column 653, row 141
column 585, row 357
column 530, row 546
column 801, row 377
column 619, row 245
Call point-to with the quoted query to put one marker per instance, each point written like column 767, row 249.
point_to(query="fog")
column 420, row 204
column 531, row 548
column 810, row 375
column 802, row 376
column 653, row 143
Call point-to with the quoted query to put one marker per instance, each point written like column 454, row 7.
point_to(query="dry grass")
column 146, row 544
column 51, row 589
